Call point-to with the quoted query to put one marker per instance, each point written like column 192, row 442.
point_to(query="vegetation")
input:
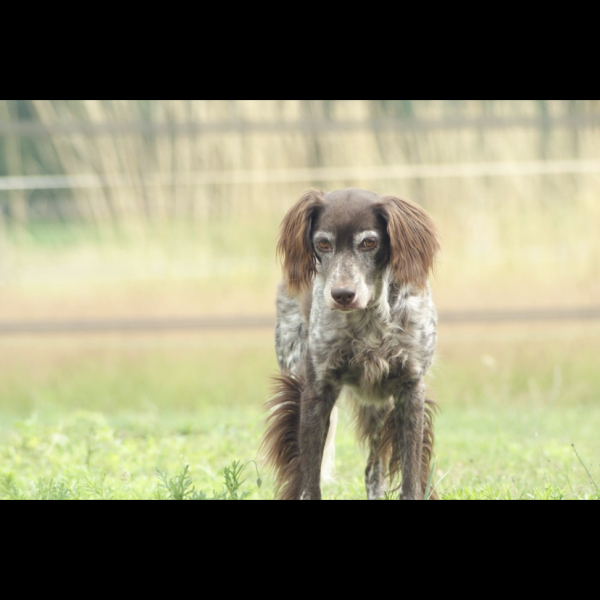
column 184, row 215
column 181, row 222
column 104, row 417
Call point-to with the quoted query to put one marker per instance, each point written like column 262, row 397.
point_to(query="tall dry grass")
column 180, row 212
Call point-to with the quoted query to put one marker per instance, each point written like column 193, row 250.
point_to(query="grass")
column 166, row 417
column 522, row 240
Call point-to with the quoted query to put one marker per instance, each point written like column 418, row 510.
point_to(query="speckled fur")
column 379, row 353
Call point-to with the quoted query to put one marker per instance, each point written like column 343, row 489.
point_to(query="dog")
column 354, row 314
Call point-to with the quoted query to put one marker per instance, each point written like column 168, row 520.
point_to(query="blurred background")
column 170, row 208
column 143, row 233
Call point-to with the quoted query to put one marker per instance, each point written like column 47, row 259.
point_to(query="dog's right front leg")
column 315, row 411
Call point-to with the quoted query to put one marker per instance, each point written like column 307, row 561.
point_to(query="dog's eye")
column 323, row 245
column 369, row 243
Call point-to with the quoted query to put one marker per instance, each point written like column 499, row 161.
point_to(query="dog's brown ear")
column 295, row 243
column 413, row 240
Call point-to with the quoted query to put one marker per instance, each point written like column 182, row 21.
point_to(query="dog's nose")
column 343, row 296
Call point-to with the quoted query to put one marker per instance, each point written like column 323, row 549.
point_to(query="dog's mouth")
column 351, row 307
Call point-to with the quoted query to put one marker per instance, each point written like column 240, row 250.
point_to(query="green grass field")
column 188, row 228
column 96, row 416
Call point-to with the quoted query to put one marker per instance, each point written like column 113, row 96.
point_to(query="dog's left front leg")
column 315, row 411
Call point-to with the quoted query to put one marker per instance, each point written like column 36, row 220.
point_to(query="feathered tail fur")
column 280, row 445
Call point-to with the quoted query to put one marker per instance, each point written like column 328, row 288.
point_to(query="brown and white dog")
column 354, row 313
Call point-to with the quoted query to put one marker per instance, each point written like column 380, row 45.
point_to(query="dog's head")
column 349, row 238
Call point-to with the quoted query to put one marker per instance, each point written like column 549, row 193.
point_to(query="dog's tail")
column 281, row 445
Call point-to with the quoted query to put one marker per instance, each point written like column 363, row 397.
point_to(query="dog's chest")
column 364, row 353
